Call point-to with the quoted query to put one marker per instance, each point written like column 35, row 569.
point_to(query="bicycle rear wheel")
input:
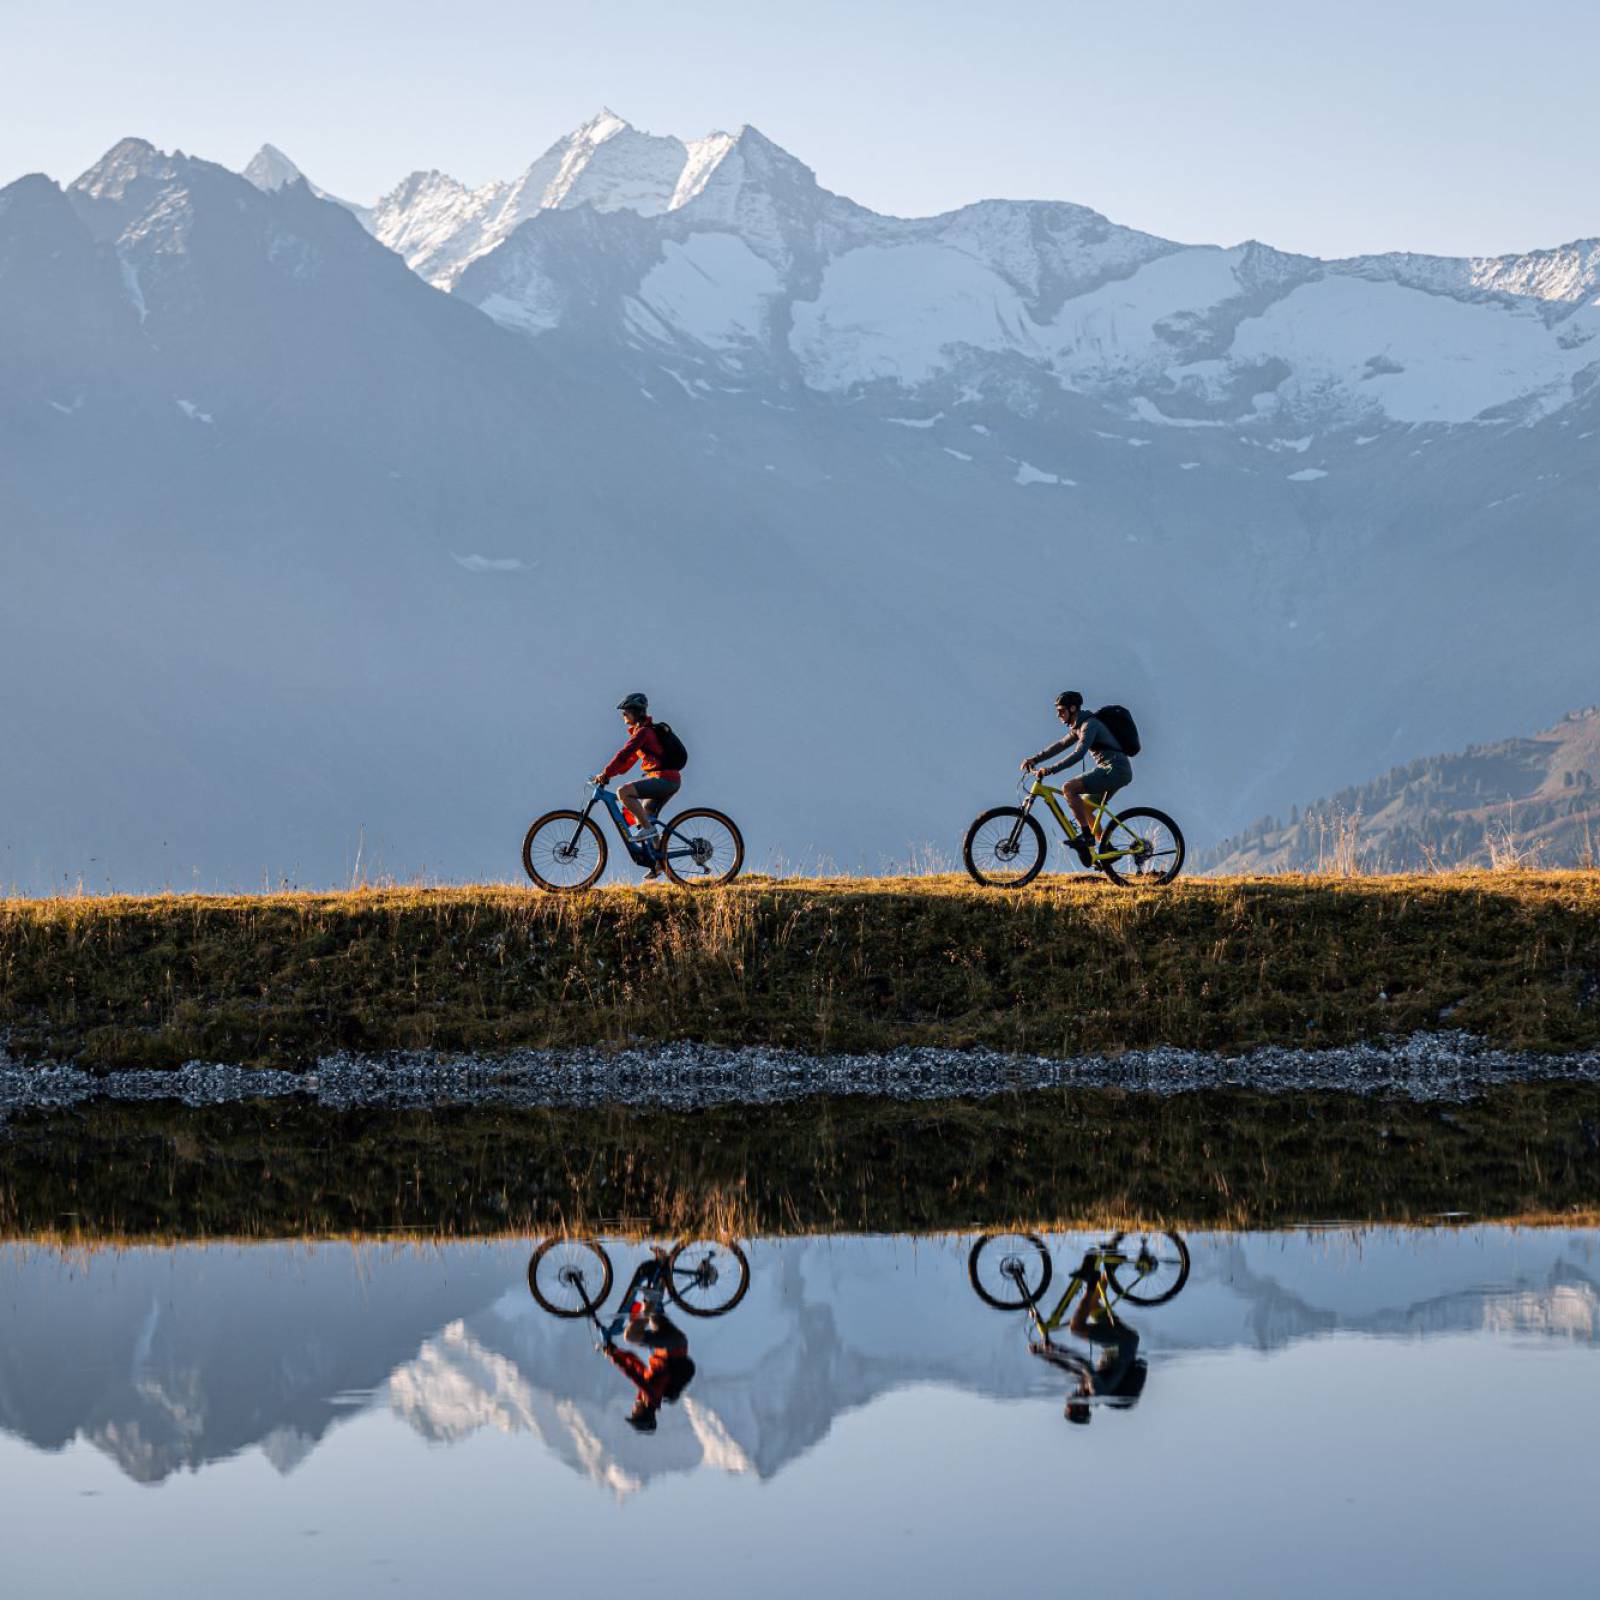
column 707, row 1277
column 564, row 851
column 1153, row 843
column 1009, row 1270
column 1159, row 1267
column 702, row 849
column 570, row 1277
column 1004, row 848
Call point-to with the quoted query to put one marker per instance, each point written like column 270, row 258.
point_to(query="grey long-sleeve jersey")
column 1090, row 738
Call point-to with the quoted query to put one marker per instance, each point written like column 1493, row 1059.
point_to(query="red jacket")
column 645, row 748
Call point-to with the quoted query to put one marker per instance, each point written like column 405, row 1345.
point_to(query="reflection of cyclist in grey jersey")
column 1088, row 737
column 1116, row 1375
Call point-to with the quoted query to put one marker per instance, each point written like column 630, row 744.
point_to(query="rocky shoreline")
column 1425, row 1067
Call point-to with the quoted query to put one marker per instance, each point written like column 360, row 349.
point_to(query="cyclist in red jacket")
column 664, row 1376
column 644, row 797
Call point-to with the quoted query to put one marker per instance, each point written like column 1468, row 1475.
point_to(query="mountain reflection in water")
column 181, row 1360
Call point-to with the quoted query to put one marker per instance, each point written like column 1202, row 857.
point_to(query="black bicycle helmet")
column 634, row 702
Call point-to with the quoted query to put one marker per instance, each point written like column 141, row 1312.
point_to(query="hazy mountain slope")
column 305, row 558
column 1535, row 799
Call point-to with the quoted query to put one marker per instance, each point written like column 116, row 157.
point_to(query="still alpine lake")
column 1326, row 1411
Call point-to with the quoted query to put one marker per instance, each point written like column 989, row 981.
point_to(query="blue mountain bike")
column 566, row 851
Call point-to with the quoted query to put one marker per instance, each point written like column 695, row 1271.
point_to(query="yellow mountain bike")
column 1011, row 1271
column 1005, row 847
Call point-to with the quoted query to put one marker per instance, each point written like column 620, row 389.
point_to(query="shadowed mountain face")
column 325, row 564
column 1533, row 801
column 174, row 1359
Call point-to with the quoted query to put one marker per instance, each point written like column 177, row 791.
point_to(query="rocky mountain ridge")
column 1532, row 801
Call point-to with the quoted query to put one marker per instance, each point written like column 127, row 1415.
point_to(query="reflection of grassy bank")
column 1219, row 1159
column 842, row 965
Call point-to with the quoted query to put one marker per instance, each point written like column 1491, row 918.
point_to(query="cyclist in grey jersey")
column 1088, row 737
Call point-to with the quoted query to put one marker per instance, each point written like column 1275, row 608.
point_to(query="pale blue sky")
column 1437, row 125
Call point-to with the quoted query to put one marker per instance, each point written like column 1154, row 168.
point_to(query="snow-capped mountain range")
column 752, row 262
column 362, row 517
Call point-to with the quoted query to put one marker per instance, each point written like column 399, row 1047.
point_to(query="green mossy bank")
column 1068, row 967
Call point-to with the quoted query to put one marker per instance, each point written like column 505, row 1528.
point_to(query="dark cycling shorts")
column 655, row 792
column 1107, row 780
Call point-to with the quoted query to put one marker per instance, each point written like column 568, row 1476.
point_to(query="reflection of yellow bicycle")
column 1011, row 1271
column 1005, row 847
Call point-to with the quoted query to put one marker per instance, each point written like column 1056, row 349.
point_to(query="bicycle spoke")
column 561, row 855
column 1000, row 850
column 701, row 847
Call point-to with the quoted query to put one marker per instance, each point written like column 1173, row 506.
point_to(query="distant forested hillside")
column 1535, row 801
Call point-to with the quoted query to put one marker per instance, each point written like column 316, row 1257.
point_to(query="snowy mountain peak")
column 440, row 225
column 124, row 163
column 603, row 125
column 271, row 169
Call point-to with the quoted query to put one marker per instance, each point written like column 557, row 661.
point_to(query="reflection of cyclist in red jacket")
column 664, row 1376
column 644, row 797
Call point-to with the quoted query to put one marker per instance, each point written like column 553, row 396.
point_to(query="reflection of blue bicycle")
column 565, row 850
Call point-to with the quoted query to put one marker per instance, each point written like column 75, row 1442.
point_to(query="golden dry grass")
column 852, row 964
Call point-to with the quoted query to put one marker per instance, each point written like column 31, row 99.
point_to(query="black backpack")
column 674, row 757
column 1121, row 726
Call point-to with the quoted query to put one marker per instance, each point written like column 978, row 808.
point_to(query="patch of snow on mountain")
column 722, row 1450
column 1129, row 326
column 1416, row 356
column 475, row 563
column 1307, row 475
column 702, row 157
column 896, row 311
column 712, row 287
column 1028, row 473
column 1147, row 411
column 131, row 286
column 535, row 308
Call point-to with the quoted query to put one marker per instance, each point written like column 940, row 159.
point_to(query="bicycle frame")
column 1040, row 790
column 649, row 1276
column 643, row 855
column 1103, row 1288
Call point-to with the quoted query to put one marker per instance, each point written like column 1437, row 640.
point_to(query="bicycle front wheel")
column 707, row 1277
column 564, row 851
column 702, row 849
column 1152, row 846
column 570, row 1277
column 1156, row 1269
column 1009, row 1270
column 1004, row 848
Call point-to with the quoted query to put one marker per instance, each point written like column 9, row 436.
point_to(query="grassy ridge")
column 850, row 964
column 1216, row 1159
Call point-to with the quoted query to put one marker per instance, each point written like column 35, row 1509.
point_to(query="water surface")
column 1399, row 1411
